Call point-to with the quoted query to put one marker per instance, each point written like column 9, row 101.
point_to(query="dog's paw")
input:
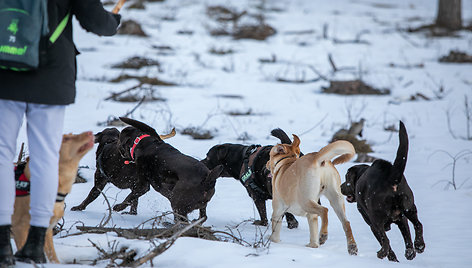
column 352, row 249
column 119, row 207
column 274, row 239
column 260, row 222
column 419, row 246
column 77, row 208
column 410, row 254
column 129, row 213
column 313, row 245
column 292, row 224
column 382, row 253
column 323, row 238
column 392, row 257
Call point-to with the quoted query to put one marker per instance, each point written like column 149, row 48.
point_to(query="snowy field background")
column 200, row 99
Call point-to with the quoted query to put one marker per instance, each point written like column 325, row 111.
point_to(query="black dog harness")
column 247, row 175
column 22, row 183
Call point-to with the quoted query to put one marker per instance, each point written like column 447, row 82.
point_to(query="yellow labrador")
column 298, row 183
column 73, row 148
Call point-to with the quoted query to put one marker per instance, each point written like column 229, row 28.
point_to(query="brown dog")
column 73, row 148
column 298, row 184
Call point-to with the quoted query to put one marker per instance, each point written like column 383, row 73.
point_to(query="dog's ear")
column 280, row 149
column 97, row 137
column 296, row 144
column 210, row 180
column 296, row 141
column 354, row 173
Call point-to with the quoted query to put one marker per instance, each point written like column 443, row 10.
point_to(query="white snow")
column 296, row 108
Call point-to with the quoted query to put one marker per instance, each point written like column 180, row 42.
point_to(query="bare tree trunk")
column 449, row 14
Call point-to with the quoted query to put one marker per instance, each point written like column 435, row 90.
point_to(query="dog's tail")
column 210, row 180
column 402, row 152
column 141, row 126
column 167, row 136
column 341, row 148
column 282, row 136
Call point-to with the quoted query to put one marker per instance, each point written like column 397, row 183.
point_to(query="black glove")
column 117, row 18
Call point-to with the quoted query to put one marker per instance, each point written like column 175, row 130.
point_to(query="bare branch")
column 164, row 246
column 315, row 126
column 104, row 221
column 114, row 95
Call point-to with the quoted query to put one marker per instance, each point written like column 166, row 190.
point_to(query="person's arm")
column 94, row 18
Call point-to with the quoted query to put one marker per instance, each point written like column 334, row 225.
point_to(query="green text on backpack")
column 22, row 24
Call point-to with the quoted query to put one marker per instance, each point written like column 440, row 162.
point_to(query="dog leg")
column 337, row 202
column 21, row 220
column 313, row 226
column 203, row 213
column 180, row 216
column 412, row 215
column 261, row 208
column 137, row 191
column 133, row 210
column 277, row 214
column 292, row 223
column 386, row 250
column 313, row 208
column 405, row 230
column 49, row 247
column 99, row 185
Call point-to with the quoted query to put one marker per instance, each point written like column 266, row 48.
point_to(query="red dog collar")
column 136, row 141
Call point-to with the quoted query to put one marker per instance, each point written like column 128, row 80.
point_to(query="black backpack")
column 22, row 24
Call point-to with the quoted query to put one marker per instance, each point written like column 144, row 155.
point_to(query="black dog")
column 111, row 167
column 248, row 165
column 183, row 180
column 383, row 197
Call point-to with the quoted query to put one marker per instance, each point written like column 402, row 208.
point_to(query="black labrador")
column 183, row 180
column 112, row 168
column 248, row 165
column 383, row 197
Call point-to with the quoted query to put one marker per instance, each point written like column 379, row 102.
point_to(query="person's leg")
column 12, row 117
column 44, row 130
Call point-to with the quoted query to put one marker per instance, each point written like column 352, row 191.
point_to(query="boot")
column 33, row 250
column 6, row 254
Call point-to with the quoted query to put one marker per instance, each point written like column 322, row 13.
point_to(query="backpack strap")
column 59, row 29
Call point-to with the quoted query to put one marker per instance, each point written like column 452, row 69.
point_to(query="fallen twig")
column 164, row 246
column 104, row 221
column 134, row 233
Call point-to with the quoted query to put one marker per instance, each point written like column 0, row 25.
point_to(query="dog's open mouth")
column 350, row 199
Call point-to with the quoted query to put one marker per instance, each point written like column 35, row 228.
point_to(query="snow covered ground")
column 201, row 100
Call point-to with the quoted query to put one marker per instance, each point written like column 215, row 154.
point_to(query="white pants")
column 44, row 126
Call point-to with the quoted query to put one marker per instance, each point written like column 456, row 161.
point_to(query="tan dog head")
column 283, row 151
column 73, row 148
